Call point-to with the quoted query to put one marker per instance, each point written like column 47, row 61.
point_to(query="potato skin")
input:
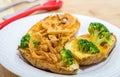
column 88, row 59
column 47, row 66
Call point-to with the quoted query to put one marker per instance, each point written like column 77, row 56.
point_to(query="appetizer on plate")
column 43, row 44
column 93, row 47
column 49, row 44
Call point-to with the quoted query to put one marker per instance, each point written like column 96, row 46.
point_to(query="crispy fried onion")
column 49, row 35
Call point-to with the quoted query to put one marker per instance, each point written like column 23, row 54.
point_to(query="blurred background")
column 108, row 10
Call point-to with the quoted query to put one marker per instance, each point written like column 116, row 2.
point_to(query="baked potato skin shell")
column 42, row 64
column 47, row 66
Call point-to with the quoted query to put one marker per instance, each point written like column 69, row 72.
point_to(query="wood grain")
column 108, row 10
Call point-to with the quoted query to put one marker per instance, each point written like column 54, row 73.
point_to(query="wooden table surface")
column 108, row 10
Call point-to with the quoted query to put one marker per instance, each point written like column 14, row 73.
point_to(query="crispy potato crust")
column 47, row 66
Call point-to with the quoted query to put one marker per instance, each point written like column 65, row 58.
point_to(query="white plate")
column 10, row 38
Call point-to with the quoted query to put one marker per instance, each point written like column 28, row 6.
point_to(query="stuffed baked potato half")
column 93, row 47
column 43, row 44
column 89, row 58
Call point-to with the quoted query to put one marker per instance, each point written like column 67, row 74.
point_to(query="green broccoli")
column 25, row 41
column 99, row 34
column 87, row 47
column 67, row 58
column 36, row 43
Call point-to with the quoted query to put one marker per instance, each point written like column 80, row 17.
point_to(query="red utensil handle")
column 50, row 5
column 21, row 15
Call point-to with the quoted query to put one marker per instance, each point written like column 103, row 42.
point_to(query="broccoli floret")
column 87, row 47
column 36, row 43
column 67, row 58
column 99, row 34
column 25, row 41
